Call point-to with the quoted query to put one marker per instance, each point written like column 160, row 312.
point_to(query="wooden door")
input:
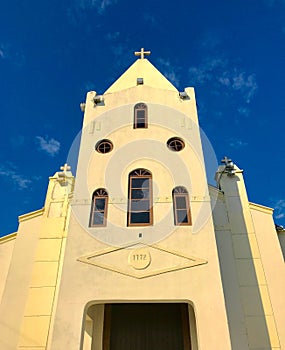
column 146, row 327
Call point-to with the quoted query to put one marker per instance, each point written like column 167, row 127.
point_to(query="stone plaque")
column 140, row 258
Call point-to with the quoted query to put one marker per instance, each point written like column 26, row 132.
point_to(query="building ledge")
column 261, row 208
column 31, row 215
column 8, row 237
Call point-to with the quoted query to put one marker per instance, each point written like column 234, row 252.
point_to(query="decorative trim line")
column 8, row 238
column 139, row 274
column 261, row 208
column 31, row 215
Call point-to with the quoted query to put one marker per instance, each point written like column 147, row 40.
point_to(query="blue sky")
column 53, row 52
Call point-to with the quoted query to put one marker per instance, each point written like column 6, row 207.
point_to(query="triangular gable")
column 142, row 68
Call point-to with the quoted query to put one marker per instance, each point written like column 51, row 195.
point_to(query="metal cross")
column 142, row 53
column 226, row 160
column 65, row 168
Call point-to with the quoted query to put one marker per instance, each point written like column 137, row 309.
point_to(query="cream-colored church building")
column 138, row 252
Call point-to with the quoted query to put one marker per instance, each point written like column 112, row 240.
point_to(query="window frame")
column 103, row 143
column 140, row 107
column 181, row 192
column 139, row 174
column 99, row 194
column 176, row 144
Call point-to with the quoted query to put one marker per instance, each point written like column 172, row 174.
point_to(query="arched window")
column 140, row 116
column 140, row 198
column 98, row 215
column 181, row 207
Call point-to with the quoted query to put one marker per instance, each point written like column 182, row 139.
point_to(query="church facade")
column 138, row 251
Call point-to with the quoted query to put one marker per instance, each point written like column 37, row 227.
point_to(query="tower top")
column 142, row 53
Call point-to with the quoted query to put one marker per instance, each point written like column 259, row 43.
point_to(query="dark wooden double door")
column 146, row 327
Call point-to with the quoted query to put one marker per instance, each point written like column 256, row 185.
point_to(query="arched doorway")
column 140, row 326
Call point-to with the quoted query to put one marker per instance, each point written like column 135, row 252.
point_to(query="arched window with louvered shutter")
column 181, row 206
column 140, row 116
column 140, row 212
column 98, row 215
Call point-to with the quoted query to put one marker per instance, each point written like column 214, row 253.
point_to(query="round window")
column 104, row 146
column 175, row 144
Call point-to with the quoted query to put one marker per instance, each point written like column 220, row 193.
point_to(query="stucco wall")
column 274, row 270
column 17, row 284
column 6, row 250
column 91, row 274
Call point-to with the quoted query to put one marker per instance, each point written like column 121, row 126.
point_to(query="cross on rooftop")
column 142, row 53
column 226, row 160
column 65, row 168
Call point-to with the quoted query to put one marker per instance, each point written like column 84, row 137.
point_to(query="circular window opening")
column 104, row 146
column 175, row 144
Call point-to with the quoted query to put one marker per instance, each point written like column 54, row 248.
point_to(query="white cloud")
column 219, row 71
column 15, row 56
column 234, row 143
column 207, row 70
column 99, row 5
column 168, row 71
column 279, row 211
column 113, row 35
column 243, row 111
column 77, row 11
column 50, row 146
column 10, row 174
column 246, row 84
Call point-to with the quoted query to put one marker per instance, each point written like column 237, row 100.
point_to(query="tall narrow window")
column 140, row 198
column 98, row 216
column 140, row 116
column 181, row 208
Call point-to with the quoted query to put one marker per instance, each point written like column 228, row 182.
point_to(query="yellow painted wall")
column 6, row 250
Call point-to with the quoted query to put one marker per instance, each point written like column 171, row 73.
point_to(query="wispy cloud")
column 237, row 144
column 99, row 5
column 50, row 146
column 207, row 70
column 225, row 79
column 240, row 81
column 9, row 172
column 78, row 10
column 11, row 54
column 113, row 35
column 279, row 207
column 244, row 111
column 169, row 71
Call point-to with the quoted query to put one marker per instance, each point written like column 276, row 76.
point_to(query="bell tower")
column 141, row 268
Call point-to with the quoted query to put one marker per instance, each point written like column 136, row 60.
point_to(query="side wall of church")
column 252, row 266
column 18, row 279
column 274, row 271
column 6, row 250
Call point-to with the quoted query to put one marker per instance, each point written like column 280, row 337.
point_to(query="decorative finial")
column 226, row 161
column 229, row 166
column 142, row 53
column 64, row 169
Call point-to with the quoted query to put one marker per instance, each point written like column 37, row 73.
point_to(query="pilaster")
column 258, row 317
column 42, row 292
